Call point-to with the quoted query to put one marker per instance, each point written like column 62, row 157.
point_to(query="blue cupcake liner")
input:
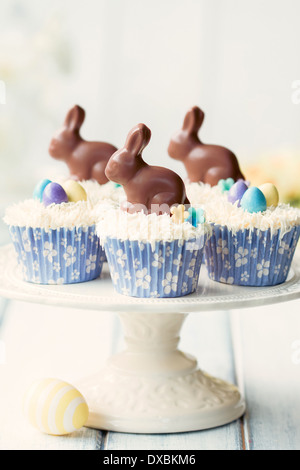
column 168, row 269
column 250, row 257
column 60, row 256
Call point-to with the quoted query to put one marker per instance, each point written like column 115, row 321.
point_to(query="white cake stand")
column 152, row 387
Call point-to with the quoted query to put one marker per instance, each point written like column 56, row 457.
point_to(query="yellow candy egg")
column 55, row 407
column 271, row 194
column 75, row 191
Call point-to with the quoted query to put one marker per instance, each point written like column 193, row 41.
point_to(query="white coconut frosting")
column 201, row 193
column 116, row 223
column 283, row 217
column 108, row 192
column 33, row 213
column 220, row 211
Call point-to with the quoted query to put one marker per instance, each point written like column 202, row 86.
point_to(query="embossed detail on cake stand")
column 152, row 386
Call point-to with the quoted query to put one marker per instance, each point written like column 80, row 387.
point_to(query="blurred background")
column 130, row 61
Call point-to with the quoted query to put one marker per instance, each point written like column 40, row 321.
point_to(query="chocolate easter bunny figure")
column 203, row 162
column 86, row 160
column 148, row 188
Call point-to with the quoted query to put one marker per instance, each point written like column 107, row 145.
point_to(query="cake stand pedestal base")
column 152, row 387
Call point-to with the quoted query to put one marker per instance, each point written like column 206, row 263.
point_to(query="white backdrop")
column 130, row 61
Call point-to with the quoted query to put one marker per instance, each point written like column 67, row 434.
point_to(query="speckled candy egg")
column 55, row 407
column 54, row 193
column 254, row 200
column 237, row 191
column 271, row 194
column 39, row 189
column 74, row 191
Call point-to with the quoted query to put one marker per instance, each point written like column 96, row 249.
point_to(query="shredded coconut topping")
column 119, row 224
column 220, row 211
column 103, row 192
column 33, row 213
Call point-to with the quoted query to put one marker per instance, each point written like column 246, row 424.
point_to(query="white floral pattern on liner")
column 260, row 260
column 46, row 260
column 148, row 273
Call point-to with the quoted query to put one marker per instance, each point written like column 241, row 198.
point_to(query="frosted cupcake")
column 54, row 235
column 254, row 237
column 150, row 253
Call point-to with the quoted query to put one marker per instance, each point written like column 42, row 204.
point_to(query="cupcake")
column 54, row 235
column 151, row 256
column 253, row 238
column 151, row 249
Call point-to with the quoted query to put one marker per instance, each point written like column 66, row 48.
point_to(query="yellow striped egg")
column 55, row 407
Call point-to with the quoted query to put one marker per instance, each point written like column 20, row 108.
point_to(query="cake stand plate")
column 152, row 386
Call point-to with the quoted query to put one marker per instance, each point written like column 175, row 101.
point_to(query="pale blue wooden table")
column 256, row 348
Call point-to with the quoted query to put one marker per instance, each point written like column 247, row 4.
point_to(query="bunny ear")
column 75, row 118
column 137, row 139
column 193, row 120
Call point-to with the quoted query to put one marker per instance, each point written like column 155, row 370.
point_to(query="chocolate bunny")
column 86, row 160
column 148, row 188
column 203, row 162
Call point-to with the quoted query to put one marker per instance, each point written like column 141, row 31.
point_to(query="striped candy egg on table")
column 55, row 407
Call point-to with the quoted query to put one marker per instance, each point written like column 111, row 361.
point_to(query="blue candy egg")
column 39, row 189
column 54, row 193
column 237, row 191
column 254, row 200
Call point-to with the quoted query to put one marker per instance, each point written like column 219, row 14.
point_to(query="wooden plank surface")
column 269, row 350
column 48, row 342
column 255, row 348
